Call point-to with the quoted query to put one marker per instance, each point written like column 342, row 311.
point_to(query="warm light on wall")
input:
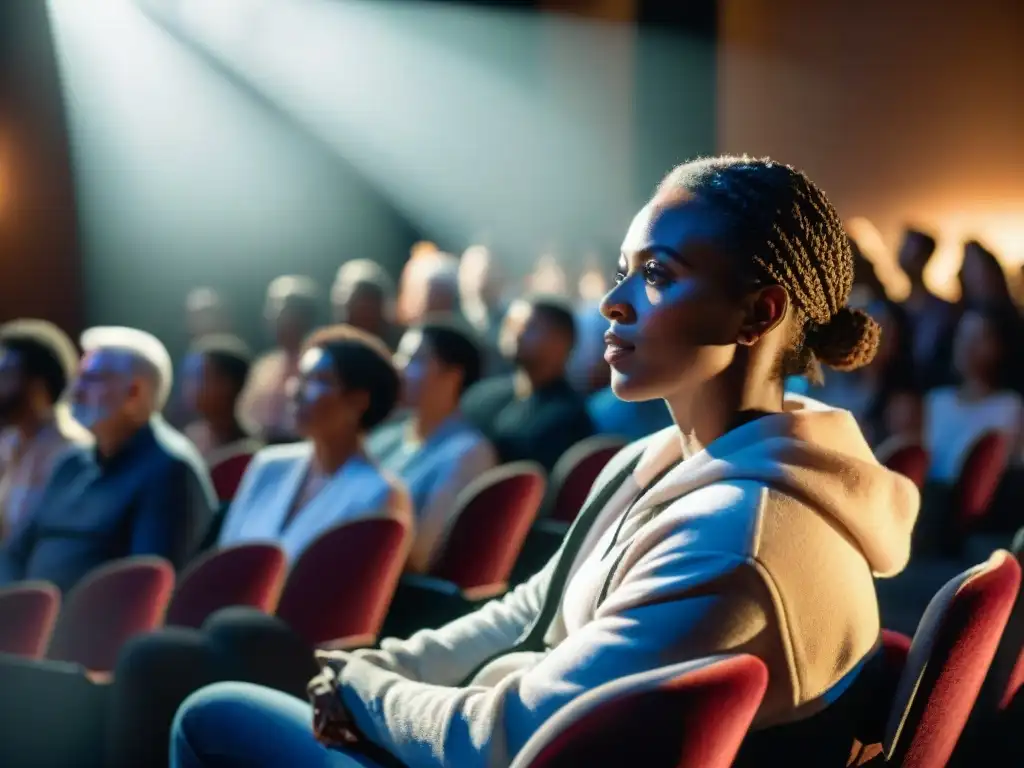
column 875, row 250
column 3, row 177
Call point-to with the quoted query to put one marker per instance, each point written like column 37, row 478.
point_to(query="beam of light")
column 465, row 138
column 182, row 178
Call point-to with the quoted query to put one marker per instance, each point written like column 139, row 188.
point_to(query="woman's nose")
column 615, row 306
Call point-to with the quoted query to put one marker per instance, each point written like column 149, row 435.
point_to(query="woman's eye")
column 655, row 274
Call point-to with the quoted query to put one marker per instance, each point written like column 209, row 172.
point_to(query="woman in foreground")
column 753, row 525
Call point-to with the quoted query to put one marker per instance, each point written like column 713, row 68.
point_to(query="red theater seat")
column 495, row 513
column 110, row 605
column 475, row 562
column 244, row 574
column 227, row 473
column 339, row 589
column 574, row 475
column 691, row 715
column 908, row 457
column 980, row 474
column 948, row 661
column 28, row 612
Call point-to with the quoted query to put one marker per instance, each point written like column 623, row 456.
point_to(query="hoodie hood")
column 811, row 452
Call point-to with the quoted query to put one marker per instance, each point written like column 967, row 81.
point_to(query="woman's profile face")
column 322, row 407
column 675, row 310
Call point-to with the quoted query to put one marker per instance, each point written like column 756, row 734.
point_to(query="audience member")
column 735, row 275
column 931, row 319
column 867, row 286
column 37, row 360
column 548, row 277
column 983, row 283
column 883, row 396
column 982, row 279
column 363, row 296
column 435, row 451
column 532, row 414
column 214, row 376
column 408, row 305
column 481, row 304
column 437, row 293
column 955, row 417
column 346, row 386
column 291, row 311
column 205, row 313
column 142, row 490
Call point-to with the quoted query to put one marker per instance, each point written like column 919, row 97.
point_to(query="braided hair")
column 790, row 235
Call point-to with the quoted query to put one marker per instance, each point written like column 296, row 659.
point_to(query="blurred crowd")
column 420, row 385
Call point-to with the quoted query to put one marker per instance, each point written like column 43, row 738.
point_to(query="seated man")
column 37, row 360
column 215, row 372
column 533, row 414
column 435, row 451
column 142, row 490
column 346, row 386
column 363, row 296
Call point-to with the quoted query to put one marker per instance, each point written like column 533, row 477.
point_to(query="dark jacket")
column 154, row 497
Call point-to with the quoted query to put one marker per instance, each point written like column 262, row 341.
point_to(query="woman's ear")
column 766, row 308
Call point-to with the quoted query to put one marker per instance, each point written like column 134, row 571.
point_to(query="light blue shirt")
column 435, row 472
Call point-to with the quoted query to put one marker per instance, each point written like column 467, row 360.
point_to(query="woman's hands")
column 332, row 724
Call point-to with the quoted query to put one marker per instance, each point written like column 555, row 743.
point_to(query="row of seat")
column 338, row 592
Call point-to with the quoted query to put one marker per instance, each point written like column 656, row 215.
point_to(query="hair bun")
column 847, row 342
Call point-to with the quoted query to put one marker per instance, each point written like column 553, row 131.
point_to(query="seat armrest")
column 424, row 602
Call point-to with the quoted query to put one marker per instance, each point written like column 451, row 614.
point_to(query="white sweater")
column 766, row 542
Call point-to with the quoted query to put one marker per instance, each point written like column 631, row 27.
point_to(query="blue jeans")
column 235, row 724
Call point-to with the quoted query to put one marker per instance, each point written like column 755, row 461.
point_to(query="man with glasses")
column 141, row 490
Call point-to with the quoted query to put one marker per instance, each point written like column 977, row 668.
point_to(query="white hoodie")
column 766, row 543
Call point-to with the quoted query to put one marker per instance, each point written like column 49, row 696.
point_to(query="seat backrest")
column 690, row 715
column 948, row 660
column 342, row 584
column 495, row 513
column 28, row 612
column 574, row 475
column 250, row 574
column 908, row 457
column 110, row 605
column 1006, row 675
column 980, row 473
column 227, row 474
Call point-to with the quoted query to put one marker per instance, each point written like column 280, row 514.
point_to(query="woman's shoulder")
column 722, row 517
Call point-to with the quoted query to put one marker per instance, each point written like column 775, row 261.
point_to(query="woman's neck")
column 426, row 420
column 224, row 430
column 331, row 455
column 976, row 389
column 716, row 408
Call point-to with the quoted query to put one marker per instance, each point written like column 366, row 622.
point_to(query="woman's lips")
column 616, row 348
